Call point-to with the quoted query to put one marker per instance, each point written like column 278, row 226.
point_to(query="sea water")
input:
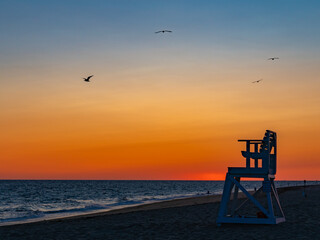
column 33, row 200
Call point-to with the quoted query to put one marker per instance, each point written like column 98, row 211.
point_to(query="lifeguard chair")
column 264, row 159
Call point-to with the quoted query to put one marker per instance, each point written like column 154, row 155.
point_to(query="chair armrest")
column 251, row 140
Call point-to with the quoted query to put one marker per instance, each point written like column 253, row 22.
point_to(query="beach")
column 189, row 218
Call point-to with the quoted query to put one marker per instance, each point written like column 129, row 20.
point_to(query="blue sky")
column 52, row 26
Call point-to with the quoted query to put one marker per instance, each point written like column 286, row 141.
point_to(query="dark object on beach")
column 261, row 215
column 208, row 192
column 265, row 152
column 88, row 78
column 273, row 58
column 304, row 188
column 163, row 31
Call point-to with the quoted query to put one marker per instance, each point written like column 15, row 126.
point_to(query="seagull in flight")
column 164, row 31
column 273, row 58
column 257, row 81
column 88, row 78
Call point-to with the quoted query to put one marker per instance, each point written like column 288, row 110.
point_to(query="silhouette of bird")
column 257, row 81
column 273, row 58
column 88, row 78
column 164, row 31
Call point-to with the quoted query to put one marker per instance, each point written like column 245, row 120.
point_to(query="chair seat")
column 254, row 155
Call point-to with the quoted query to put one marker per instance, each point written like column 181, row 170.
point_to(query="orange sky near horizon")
column 155, row 132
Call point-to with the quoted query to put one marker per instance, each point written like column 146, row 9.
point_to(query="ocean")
column 34, row 200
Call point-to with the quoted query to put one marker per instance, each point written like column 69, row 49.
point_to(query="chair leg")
column 235, row 197
column 228, row 185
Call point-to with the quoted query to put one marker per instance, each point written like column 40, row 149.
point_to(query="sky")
column 160, row 106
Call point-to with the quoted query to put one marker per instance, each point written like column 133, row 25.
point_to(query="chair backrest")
column 269, row 141
column 270, row 146
column 265, row 149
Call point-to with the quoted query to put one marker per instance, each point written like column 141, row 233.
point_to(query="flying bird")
column 273, row 58
column 257, row 81
column 164, row 31
column 88, row 78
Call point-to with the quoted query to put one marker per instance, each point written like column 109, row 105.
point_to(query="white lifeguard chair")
column 264, row 156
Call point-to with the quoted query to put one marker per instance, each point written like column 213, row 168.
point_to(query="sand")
column 190, row 218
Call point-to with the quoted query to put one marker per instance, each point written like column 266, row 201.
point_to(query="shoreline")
column 177, row 202
column 188, row 218
column 172, row 203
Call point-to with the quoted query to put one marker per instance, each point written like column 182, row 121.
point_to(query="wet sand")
column 189, row 218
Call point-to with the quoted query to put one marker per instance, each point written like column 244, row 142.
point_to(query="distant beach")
column 188, row 218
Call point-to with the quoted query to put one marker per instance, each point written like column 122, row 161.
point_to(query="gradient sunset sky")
column 160, row 106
